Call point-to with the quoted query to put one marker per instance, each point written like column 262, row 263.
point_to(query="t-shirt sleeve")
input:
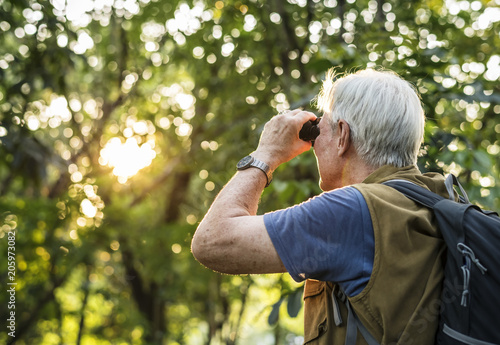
column 329, row 238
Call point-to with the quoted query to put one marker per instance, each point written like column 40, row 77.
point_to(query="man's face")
column 325, row 148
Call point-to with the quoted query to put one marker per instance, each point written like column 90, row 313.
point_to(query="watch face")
column 244, row 162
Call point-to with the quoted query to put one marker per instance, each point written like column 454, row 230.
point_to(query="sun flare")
column 127, row 158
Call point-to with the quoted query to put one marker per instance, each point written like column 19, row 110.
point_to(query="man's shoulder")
column 377, row 190
column 432, row 181
column 349, row 194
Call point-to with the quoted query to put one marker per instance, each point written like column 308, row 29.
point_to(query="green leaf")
column 295, row 302
column 482, row 159
column 275, row 312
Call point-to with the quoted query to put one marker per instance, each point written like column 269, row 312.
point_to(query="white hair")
column 384, row 113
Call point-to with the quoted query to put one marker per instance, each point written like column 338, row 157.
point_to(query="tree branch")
column 167, row 172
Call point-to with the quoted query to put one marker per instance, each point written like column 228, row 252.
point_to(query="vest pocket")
column 315, row 311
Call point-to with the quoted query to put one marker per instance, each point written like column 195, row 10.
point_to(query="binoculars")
column 310, row 130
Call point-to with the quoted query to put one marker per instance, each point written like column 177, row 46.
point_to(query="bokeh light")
column 126, row 158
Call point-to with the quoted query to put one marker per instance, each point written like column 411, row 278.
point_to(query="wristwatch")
column 249, row 162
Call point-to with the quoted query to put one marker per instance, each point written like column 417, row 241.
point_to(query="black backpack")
column 470, row 302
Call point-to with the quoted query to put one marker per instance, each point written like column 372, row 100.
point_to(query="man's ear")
column 344, row 141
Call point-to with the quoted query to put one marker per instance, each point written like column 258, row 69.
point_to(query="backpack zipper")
column 469, row 258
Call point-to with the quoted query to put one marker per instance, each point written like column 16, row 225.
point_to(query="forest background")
column 122, row 119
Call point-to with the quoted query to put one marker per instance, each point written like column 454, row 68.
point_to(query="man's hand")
column 280, row 141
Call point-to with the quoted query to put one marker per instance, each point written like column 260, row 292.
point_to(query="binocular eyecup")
column 310, row 130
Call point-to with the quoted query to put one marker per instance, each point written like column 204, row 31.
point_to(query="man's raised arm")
column 231, row 238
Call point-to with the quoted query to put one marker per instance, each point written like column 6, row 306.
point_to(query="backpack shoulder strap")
column 416, row 193
column 451, row 181
column 449, row 213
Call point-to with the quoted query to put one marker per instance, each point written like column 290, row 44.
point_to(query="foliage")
column 184, row 89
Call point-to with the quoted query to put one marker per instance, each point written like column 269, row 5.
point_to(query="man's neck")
column 352, row 171
column 356, row 173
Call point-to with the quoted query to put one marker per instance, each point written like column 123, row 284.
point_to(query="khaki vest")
column 400, row 304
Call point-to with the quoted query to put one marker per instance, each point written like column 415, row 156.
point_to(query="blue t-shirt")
column 329, row 238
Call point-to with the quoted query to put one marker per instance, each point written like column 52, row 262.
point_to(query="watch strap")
column 250, row 161
column 265, row 169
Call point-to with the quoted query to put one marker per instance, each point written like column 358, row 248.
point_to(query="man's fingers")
column 303, row 115
column 289, row 112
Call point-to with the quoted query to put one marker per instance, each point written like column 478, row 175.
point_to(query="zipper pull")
column 467, row 252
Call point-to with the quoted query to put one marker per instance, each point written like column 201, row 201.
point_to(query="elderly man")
column 360, row 238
